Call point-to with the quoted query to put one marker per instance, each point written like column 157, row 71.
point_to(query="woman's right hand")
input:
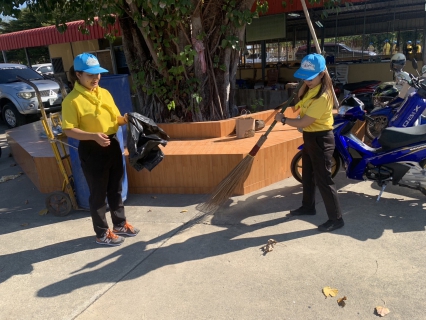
column 102, row 139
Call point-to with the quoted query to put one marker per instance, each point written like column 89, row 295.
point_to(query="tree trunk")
column 214, row 67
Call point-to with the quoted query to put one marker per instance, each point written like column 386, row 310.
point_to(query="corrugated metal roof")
column 50, row 35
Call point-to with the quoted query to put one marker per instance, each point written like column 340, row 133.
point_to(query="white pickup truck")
column 18, row 100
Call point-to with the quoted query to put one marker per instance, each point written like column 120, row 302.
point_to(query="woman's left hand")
column 123, row 120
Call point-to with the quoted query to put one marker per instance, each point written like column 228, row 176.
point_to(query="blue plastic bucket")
column 80, row 185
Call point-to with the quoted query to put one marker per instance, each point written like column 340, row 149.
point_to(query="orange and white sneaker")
column 110, row 239
column 126, row 230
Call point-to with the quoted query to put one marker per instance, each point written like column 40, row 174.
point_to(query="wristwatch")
column 283, row 120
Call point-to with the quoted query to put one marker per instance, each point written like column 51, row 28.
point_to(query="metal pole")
column 363, row 35
column 114, row 61
column 314, row 37
column 263, row 56
column 28, row 57
column 424, row 39
column 4, row 56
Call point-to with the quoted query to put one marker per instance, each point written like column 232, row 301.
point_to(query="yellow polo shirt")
column 321, row 109
column 90, row 115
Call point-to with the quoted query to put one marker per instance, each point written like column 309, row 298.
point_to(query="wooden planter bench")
column 197, row 158
column 201, row 154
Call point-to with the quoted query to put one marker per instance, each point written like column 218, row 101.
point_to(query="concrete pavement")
column 184, row 265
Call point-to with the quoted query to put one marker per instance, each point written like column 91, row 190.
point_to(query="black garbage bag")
column 143, row 140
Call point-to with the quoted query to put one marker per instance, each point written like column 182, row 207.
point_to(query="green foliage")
column 26, row 21
column 171, row 105
column 166, row 28
column 256, row 104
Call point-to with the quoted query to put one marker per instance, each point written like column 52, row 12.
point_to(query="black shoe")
column 303, row 211
column 331, row 225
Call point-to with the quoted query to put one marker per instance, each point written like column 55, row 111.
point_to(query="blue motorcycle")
column 401, row 159
column 393, row 111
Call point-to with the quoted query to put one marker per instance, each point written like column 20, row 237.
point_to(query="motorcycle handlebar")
column 366, row 116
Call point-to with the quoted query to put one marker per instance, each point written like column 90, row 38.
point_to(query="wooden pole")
column 314, row 37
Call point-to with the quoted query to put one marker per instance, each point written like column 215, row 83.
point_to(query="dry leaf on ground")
column 341, row 302
column 153, row 197
column 382, row 311
column 184, row 211
column 269, row 246
column 24, row 224
column 43, row 212
column 328, row 291
column 11, row 177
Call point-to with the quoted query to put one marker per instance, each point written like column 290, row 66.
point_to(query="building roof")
column 50, row 35
column 277, row 6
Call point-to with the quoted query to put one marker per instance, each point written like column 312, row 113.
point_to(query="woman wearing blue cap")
column 316, row 119
column 90, row 115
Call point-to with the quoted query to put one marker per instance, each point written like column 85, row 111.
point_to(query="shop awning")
column 277, row 6
column 50, row 35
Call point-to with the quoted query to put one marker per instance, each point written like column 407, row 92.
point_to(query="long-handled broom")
column 225, row 188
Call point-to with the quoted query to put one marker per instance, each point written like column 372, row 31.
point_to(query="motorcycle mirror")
column 415, row 66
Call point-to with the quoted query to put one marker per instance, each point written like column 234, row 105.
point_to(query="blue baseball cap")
column 311, row 66
column 87, row 62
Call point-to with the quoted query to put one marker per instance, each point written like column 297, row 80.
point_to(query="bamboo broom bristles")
column 225, row 188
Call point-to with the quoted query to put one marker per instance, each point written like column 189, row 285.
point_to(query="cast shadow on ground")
column 365, row 219
column 22, row 262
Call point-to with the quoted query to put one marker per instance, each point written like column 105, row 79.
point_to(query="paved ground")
column 186, row 266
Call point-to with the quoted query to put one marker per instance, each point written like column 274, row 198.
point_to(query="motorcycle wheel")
column 374, row 128
column 296, row 166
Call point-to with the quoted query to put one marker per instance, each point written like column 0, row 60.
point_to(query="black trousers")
column 317, row 156
column 103, row 169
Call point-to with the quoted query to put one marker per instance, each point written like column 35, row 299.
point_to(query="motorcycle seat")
column 356, row 85
column 392, row 137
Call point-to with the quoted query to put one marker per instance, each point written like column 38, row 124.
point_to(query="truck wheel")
column 296, row 165
column 11, row 116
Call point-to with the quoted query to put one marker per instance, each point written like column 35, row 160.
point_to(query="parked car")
column 338, row 50
column 18, row 100
column 45, row 69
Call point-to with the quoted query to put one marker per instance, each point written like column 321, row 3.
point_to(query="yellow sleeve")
column 70, row 118
column 318, row 107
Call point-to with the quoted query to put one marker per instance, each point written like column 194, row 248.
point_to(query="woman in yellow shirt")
column 316, row 119
column 90, row 115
